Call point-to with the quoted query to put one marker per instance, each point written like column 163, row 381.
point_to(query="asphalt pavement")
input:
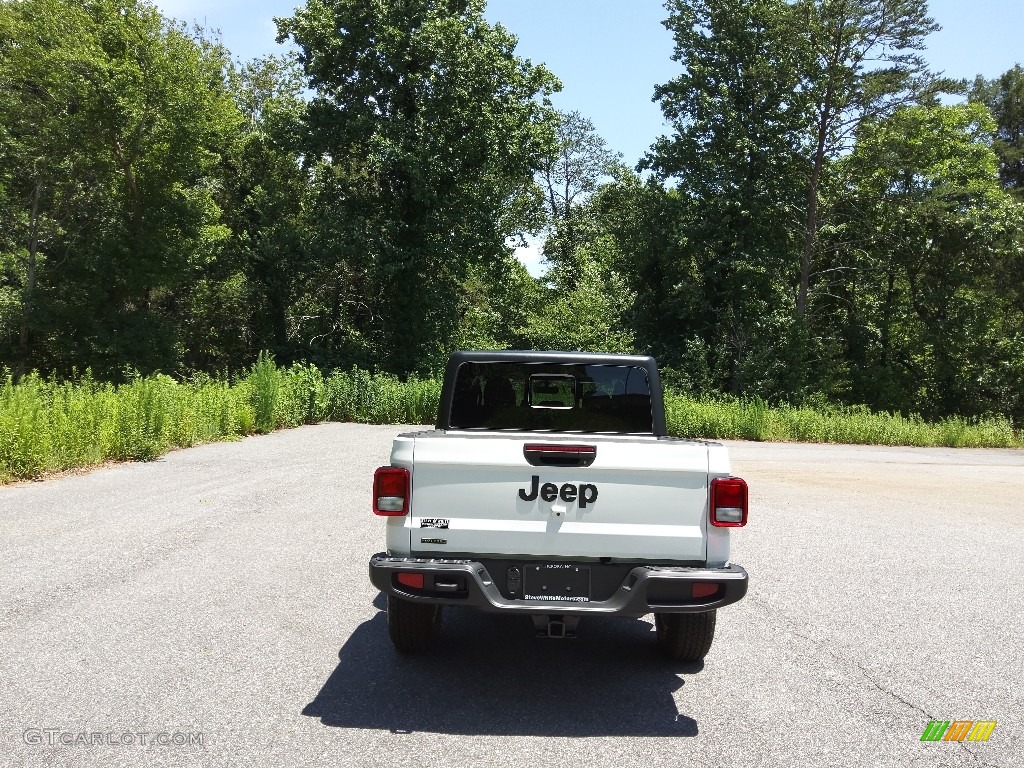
column 213, row 608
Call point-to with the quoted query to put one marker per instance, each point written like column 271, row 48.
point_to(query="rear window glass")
column 548, row 396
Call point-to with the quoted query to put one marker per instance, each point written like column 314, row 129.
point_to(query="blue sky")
column 609, row 54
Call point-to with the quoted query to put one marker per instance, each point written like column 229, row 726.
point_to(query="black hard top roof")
column 553, row 356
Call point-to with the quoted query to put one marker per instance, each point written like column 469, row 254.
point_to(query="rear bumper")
column 645, row 589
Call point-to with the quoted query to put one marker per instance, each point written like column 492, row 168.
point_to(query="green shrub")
column 48, row 426
column 265, row 390
column 735, row 419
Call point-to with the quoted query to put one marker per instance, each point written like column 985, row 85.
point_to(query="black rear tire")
column 412, row 626
column 685, row 636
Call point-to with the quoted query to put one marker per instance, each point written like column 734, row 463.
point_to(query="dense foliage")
column 826, row 222
column 48, row 426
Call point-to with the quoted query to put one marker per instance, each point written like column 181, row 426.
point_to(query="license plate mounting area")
column 556, row 582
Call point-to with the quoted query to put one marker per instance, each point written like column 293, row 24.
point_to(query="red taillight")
column 391, row 491
column 704, row 589
column 414, row 580
column 728, row 502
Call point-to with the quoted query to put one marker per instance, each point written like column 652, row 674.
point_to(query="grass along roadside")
column 50, row 427
column 736, row 419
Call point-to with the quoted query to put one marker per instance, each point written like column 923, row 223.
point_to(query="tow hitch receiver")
column 559, row 627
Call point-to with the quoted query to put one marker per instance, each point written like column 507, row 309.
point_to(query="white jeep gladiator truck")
column 550, row 488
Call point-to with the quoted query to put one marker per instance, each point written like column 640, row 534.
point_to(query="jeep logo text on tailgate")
column 586, row 493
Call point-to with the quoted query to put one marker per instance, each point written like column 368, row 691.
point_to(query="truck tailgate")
column 640, row 499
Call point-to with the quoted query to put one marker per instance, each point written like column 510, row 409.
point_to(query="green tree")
column 930, row 326
column 432, row 129
column 736, row 153
column 860, row 59
column 244, row 303
column 1004, row 96
column 496, row 306
column 666, row 300
column 114, row 123
column 568, row 177
column 48, row 173
column 584, row 319
column 771, row 96
column 579, row 303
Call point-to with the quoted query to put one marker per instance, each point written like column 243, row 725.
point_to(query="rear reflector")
column 704, row 589
column 414, row 580
column 391, row 491
column 728, row 502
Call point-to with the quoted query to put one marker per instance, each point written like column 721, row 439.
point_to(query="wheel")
column 412, row 626
column 685, row 636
